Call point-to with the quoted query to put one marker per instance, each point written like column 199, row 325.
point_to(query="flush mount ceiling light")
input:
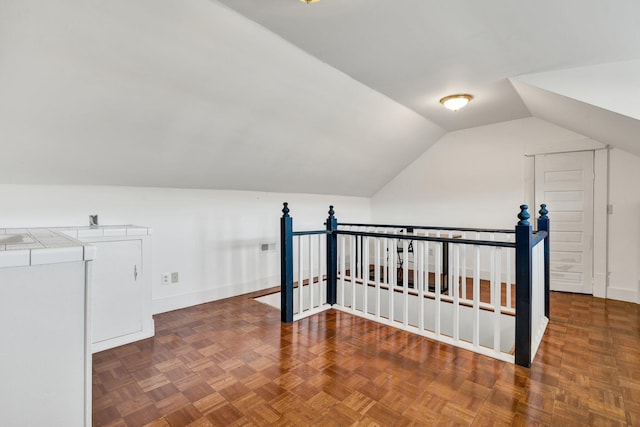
column 456, row 102
column 309, row 1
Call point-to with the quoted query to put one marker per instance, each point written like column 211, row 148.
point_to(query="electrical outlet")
column 268, row 247
column 165, row 279
column 430, row 251
column 174, row 278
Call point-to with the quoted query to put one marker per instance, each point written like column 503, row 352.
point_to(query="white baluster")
column 311, row 305
column 438, row 285
column 452, row 279
column 425, row 283
column 343, row 267
column 300, row 274
column 476, row 295
column 405, row 282
column 376, row 274
column 385, row 262
column 321, row 268
column 509, row 278
column 456, row 292
column 365, row 273
column 354, row 271
column 419, row 275
column 464, row 268
column 393, row 277
column 497, row 285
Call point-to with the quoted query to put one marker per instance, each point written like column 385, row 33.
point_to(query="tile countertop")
column 20, row 247
column 104, row 231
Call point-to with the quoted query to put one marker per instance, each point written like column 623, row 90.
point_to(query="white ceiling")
column 417, row 51
column 335, row 97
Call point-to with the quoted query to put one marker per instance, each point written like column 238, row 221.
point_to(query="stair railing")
column 445, row 295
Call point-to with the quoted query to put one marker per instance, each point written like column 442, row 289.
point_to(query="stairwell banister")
column 287, row 263
column 531, row 285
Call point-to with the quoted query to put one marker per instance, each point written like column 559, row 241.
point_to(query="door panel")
column 117, row 300
column 565, row 183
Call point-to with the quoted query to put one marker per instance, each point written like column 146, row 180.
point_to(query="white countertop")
column 20, row 247
column 104, row 231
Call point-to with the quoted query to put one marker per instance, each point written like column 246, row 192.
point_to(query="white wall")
column 211, row 238
column 476, row 178
column 624, row 226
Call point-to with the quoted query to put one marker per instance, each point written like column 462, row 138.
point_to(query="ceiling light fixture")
column 456, row 102
column 309, row 1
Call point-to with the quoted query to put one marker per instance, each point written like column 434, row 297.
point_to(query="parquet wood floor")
column 232, row 363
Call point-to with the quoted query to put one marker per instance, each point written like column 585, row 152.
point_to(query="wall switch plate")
column 165, row 279
column 174, row 277
column 610, row 209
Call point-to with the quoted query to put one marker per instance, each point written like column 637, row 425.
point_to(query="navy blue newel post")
column 543, row 225
column 286, row 265
column 332, row 258
column 524, row 237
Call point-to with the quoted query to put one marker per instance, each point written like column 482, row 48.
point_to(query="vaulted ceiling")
column 417, row 51
column 334, row 97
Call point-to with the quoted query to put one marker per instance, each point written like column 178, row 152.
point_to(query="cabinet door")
column 117, row 300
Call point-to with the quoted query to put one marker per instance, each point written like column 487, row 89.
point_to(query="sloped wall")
column 159, row 93
column 474, row 177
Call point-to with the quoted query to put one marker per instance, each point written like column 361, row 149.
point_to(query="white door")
column 565, row 183
column 117, row 299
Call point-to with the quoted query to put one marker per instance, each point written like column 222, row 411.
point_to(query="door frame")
column 600, row 264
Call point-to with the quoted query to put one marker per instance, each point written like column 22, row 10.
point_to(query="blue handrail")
column 431, row 227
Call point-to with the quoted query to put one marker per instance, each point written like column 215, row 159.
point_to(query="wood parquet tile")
column 232, row 363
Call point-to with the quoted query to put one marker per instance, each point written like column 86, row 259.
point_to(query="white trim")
column 145, row 333
column 311, row 312
column 88, row 358
column 600, row 264
column 537, row 336
column 505, row 357
column 581, row 150
column 600, row 219
column 627, row 295
column 175, row 302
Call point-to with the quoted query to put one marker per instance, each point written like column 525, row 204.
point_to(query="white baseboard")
column 175, row 302
column 600, row 285
column 125, row 339
column 628, row 295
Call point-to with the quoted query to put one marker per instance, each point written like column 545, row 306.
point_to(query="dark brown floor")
column 232, row 363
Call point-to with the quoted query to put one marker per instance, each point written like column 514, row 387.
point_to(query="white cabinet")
column 121, row 284
column 45, row 353
column 118, row 299
column 43, row 369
